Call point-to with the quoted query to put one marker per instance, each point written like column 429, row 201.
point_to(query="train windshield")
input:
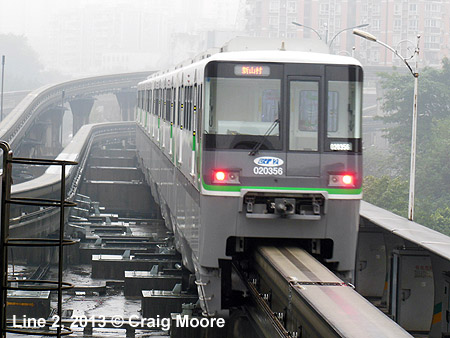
column 242, row 101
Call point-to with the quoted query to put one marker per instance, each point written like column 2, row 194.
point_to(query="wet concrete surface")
column 92, row 309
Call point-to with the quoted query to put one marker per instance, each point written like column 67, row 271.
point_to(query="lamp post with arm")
column 302, row 25
column 326, row 35
column 346, row 29
column 414, row 73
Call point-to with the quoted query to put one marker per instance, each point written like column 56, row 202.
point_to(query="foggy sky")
column 106, row 36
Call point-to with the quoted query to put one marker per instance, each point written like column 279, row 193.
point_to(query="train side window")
column 199, row 109
column 164, row 110
column 149, row 101
column 157, row 103
column 189, row 111
column 169, row 101
column 182, row 106
column 167, row 105
column 160, row 96
column 195, row 102
column 186, row 115
column 191, row 107
column 163, row 103
column 179, row 107
column 171, row 105
column 183, row 118
column 175, row 106
column 186, row 108
column 143, row 101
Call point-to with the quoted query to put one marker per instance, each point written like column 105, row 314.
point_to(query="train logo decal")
column 268, row 161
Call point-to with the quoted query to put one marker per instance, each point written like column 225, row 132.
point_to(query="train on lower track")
column 251, row 144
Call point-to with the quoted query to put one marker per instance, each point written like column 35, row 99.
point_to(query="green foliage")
column 433, row 105
column 378, row 163
column 440, row 220
column 387, row 193
column 432, row 200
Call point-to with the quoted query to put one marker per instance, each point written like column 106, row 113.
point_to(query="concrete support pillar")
column 46, row 134
column 127, row 103
column 81, row 109
column 35, row 139
column 55, row 116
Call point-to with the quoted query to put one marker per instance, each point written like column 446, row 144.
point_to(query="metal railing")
column 6, row 242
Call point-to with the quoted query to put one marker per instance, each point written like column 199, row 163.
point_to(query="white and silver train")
column 255, row 145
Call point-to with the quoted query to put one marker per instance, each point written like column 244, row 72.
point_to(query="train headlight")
column 226, row 176
column 342, row 180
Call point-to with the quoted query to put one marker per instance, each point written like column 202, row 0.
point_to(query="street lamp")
column 301, row 25
column 346, row 29
column 414, row 73
column 326, row 33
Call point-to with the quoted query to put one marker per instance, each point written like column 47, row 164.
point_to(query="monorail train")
column 257, row 144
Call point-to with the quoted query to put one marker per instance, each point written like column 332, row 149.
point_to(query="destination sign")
column 251, row 70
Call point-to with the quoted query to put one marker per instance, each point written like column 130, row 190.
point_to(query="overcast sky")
column 101, row 36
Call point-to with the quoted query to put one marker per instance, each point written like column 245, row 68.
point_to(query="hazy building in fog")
column 87, row 37
column 119, row 37
column 392, row 21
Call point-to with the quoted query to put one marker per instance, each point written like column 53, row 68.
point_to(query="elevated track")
column 293, row 295
column 32, row 221
column 15, row 126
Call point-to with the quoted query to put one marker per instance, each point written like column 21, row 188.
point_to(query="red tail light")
column 220, row 176
column 347, row 179
column 226, row 176
column 342, row 180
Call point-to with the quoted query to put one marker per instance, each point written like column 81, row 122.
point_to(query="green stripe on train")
column 234, row 188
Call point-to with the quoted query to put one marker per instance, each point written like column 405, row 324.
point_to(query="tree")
column 22, row 66
column 440, row 220
column 432, row 200
column 433, row 105
column 387, row 193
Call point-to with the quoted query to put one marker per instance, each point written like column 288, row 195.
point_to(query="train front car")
column 281, row 158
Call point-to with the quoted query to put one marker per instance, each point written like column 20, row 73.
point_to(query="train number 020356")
column 267, row 171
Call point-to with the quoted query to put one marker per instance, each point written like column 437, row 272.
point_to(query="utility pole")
column 3, row 81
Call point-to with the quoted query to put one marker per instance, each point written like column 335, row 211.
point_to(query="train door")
column 304, row 104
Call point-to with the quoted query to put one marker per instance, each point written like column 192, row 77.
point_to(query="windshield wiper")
column 257, row 146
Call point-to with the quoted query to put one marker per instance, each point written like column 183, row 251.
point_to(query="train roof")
column 284, row 57
column 252, row 49
column 275, row 56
